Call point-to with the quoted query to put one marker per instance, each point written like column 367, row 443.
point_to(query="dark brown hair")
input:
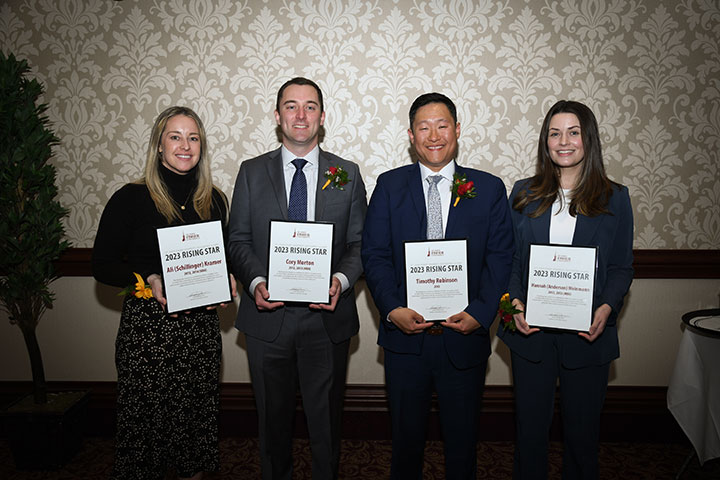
column 593, row 190
column 299, row 81
column 428, row 98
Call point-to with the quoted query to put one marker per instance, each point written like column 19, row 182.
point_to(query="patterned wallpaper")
column 650, row 69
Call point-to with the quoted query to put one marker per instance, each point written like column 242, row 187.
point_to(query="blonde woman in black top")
column 168, row 365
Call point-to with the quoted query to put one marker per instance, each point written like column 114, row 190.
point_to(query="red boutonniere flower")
column 506, row 310
column 140, row 289
column 462, row 188
column 336, row 178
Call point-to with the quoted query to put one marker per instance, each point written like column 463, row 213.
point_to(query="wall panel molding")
column 631, row 413
column 677, row 263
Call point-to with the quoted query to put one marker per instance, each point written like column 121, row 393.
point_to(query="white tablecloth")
column 694, row 392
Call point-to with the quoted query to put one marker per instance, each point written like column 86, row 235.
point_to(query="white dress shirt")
column 311, row 171
column 562, row 224
column 444, row 188
column 311, row 176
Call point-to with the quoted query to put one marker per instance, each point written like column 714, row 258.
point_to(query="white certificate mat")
column 561, row 280
column 436, row 278
column 299, row 261
column 194, row 267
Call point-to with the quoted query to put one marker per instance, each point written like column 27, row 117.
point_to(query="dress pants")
column 582, row 394
column 302, row 355
column 410, row 382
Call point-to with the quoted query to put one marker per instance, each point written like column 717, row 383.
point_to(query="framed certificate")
column 299, row 261
column 436, row 277
column 195, row 272
column 561, row 280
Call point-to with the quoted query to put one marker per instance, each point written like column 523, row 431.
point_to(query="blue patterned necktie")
column 297, row 206
column 434, row 215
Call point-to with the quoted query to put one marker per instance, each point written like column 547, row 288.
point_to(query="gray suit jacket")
column 260, row 196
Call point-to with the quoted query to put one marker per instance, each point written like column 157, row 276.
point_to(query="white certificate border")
column 223, row 254
column 439, row 240
column 596, row 250
column 330, row 248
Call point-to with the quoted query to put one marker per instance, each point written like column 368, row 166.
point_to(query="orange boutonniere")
column 462, row 188
column 140, row 289
column 336, row 178
column 506, row 310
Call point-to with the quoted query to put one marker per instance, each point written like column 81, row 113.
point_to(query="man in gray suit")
column 291, row 344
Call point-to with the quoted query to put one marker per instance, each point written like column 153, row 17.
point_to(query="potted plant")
column 31, row 239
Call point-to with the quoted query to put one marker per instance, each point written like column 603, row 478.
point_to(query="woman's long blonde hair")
column 202, row 198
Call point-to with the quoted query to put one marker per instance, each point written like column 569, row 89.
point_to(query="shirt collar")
column 446, row 172
column 311, row 157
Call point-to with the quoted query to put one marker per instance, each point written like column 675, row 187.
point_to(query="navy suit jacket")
column 260, row 196
column 397, row 214
column 613, row 235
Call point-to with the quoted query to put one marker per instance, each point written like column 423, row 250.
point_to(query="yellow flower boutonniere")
column 336, row 178
column 462, row 188
column 140, row 289
column 506, row 310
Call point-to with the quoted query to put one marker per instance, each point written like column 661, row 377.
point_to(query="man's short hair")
column 299, row 81
column 434, row 97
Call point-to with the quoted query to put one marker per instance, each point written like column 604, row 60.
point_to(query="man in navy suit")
column 451, row 356
column 291, row 344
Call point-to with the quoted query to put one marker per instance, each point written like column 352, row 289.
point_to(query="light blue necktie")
column 434, row 215
column 297, row 206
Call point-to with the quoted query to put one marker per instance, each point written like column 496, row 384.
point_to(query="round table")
column 694, row 390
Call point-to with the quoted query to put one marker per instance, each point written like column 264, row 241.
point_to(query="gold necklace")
column 182, row 207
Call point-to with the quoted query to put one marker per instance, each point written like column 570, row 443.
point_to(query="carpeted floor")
column 363, row 459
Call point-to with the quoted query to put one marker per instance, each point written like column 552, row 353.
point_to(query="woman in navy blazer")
column 570, row 200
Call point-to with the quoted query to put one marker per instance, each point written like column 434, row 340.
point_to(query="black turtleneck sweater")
column 126, row 240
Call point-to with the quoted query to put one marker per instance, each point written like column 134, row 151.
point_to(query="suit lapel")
column 323, row 165
column 415, row 187
column 455, row 213
column 541, row 225
column 277, row 180
column 585, row 229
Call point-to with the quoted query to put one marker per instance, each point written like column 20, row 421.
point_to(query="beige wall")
column 77, row 336
column 648, row 68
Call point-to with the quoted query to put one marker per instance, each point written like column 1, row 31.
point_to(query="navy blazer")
column 613, row 235
column 260, row 196
column 397, row 214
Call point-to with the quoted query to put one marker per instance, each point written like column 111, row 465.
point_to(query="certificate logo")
column 190, row 236
column 300, row 234
column 435, row 252
column 561, row 258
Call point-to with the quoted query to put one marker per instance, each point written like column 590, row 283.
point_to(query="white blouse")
column 562, row 224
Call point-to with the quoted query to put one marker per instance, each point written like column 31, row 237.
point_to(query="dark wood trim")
column 75, row 262
column 648, row 263
column 632, row 414
column 677, row 263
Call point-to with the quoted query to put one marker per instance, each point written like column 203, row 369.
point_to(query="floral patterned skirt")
column 168, row 392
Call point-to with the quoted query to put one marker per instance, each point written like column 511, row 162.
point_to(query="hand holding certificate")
column 436, row 278
column 299, row 261
column 560, row 286
column 194, row 267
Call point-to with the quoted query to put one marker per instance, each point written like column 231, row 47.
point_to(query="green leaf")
column 31, row 229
